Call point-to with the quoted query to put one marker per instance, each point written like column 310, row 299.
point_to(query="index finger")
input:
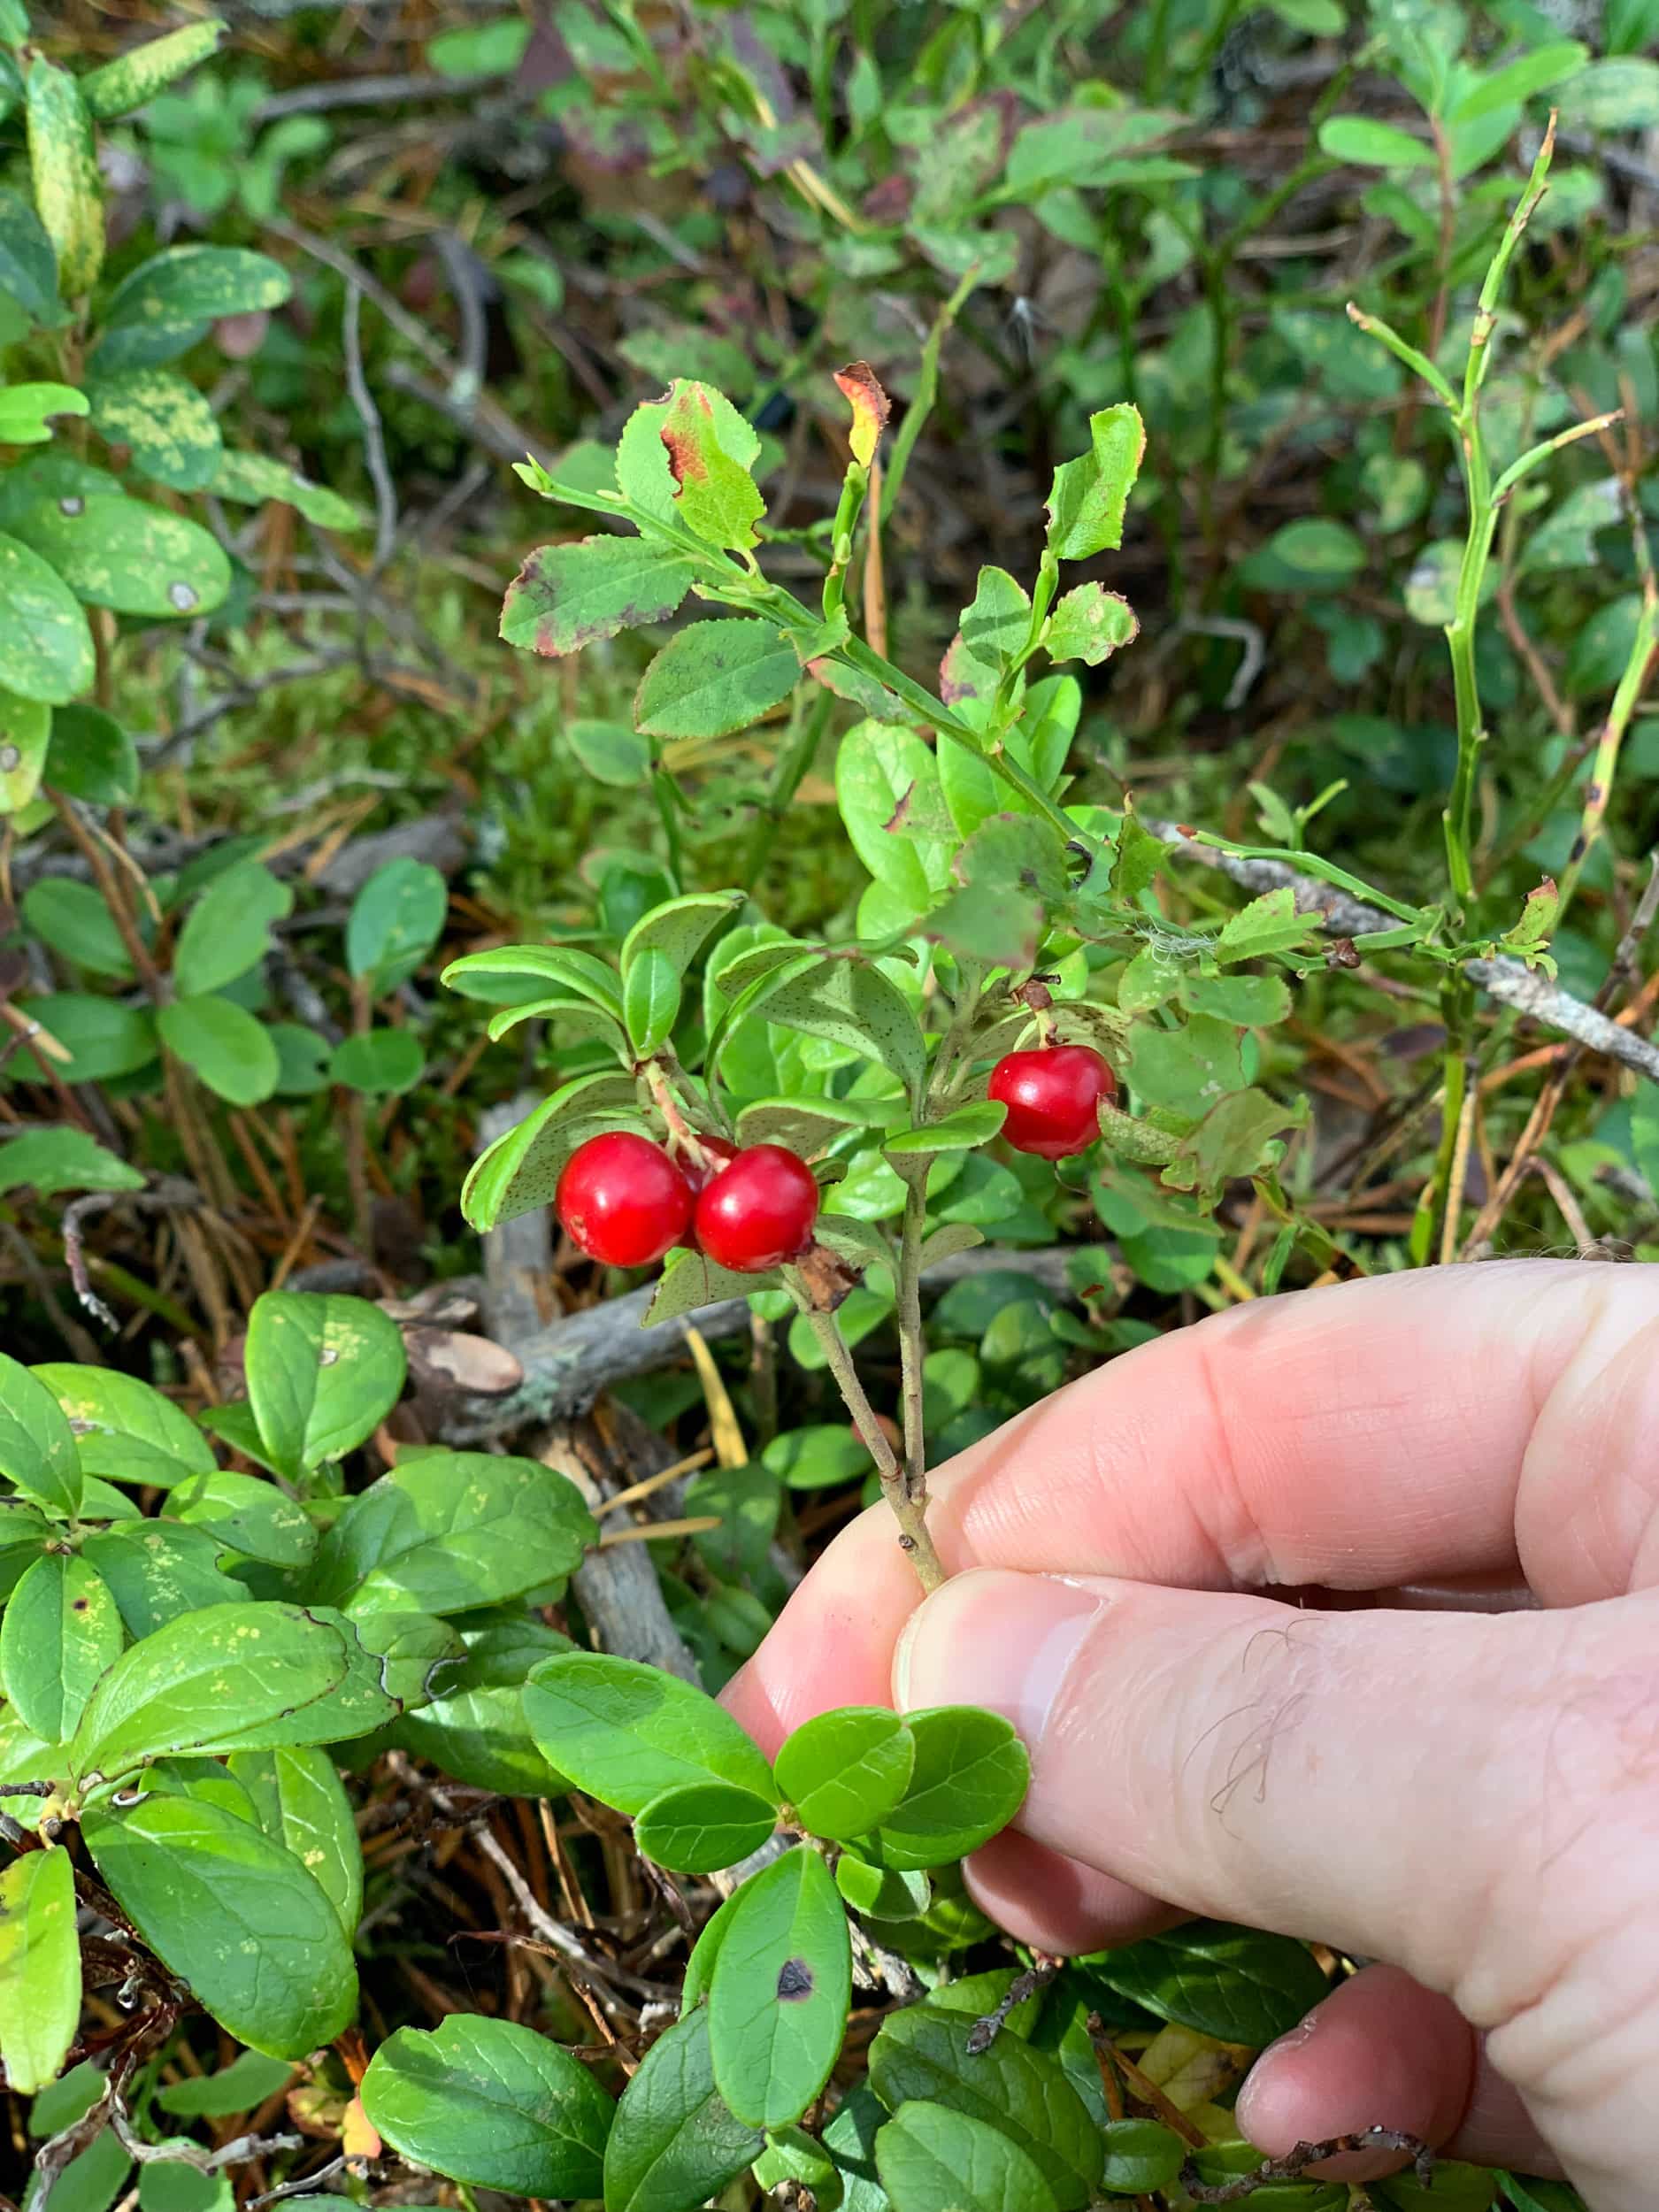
column 1460, row 1420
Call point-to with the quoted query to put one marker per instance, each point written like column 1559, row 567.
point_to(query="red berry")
column 623, row 1199
column 719, row 1155
column 1051, row 1095
column 759, row 1211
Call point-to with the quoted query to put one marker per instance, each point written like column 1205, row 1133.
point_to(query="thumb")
column 1354, row 1777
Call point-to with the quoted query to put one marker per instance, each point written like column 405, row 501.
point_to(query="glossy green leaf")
column 651, row 1001
column 74, row 920
column 1142, row 2155
column 27, row 411
column 25, row 732
column 395, row 920
column 450, row 1531
column 474, row 1728
column 51, row 1160
column 91, row 756
column 40, row 1969
column 844, row 1771
column 715, row 677
column 254, row 480
column 564, row 965
column 167, row 425
column 125, row 1430
column 852, row 1004
column 228, row 930
column 568, row 596
column 680, row 928
column 247, row 1513
column 241, row 2086
column 223, row 1044
column 168, row 302
column 520, row 1171
column 28, row 264
column 299, row 1801
column 1372, row 144
column 779, row 1995
column 323, row 1373
column 962, row 1131
column 37, row 1446
column 888, row 789
column 491, row 2104
column 611, row 752
column 59, row 1632
column 226, row 1678
column 624, row 1732
column 63, row 168
column 931, row 2159
column 1086, row 506
column 675, row 2144
column 702, row 1827
column 922, row 2054
column 157, row 1570
column 125, row 553
column 970, row 1776
column 234, row 1915
column 689, row 1281
column 1236, row 1984
column 46, row 645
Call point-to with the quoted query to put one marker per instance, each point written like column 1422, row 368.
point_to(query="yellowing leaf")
column 870, row 408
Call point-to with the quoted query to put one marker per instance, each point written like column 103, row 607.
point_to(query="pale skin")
column 1442, row 1756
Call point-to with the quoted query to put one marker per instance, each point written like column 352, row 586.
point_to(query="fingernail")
column 996, row 1638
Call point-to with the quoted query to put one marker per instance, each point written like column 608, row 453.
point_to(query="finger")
column 1382, row 2051
column 1057, row 1904
column 1463, row 1421
column 1292, row 1770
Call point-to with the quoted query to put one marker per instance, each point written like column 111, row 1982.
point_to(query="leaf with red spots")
column 1086, row 506
column 687, row 458
column 566, row 596
column 871, row 406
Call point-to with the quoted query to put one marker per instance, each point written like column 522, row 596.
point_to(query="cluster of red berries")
column 624, row 1201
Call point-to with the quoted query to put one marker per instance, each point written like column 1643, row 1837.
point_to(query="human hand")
column 1471, row 1796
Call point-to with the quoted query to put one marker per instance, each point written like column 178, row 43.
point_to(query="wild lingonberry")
column 759, row 1211
column 1051, row 1095
column 623, row 1199
column 717, row 1154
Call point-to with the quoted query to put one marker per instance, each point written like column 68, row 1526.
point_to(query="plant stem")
column 788, row 769
column 913, row 1345
column 913, row 1537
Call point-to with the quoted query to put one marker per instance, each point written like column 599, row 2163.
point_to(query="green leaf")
column 64, row 167
column 781, row 1985
column 1452, row 2188
column 59, row 1633
column 680, row 928
column 124, row 554
column 714, row 678
column 379, row 1062
column 241, row 2086
column 964, row 1130
column 970, row 1776
column 253, row 480
column 844, row 1771
column 1089, row 624
column 702, row 1827
column 322, row 1375
column 568, row 596
column 247, row 1513
column 168, row 302
column 1252, row 1001
column 28, row 264
column 1231, row 1140
column 611, row 752
column 1529, row 2194
column 887, row 788
column 1521, row 79
column 710, row 448
column 624, row 1732
column 1318, row 553
column 51, row 1160
column 1268, row 924
column 853, row 1004
column 167, row 425
column 1232, row 1982
column 689, row 1281
column 651, row 1001
column 395, row 920
column 92, row 757
column 931, row 2159
column 227, row 931
column 40, row 1969
column 45, row 646
column 560, row 965
column 474, row 1728
column 1086, row 506
column 157, row 1571
column 125, row 1430
column 223, row 1677
column 137, row 75
column 881, row 1891
column 27, row 411
column 223, row 1044
column 1141, row 2156
column 74, row 920
column 674, row 2143
column 234, row 1915
column 520, row 1171
column 300, row 1802
column 452, row 1531
column 37, row 1446
column 1616, row 95
column 1362, row 139
column 490, row 2104
column 922, row 2054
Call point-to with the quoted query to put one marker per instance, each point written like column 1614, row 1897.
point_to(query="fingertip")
column 1056, row 1904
